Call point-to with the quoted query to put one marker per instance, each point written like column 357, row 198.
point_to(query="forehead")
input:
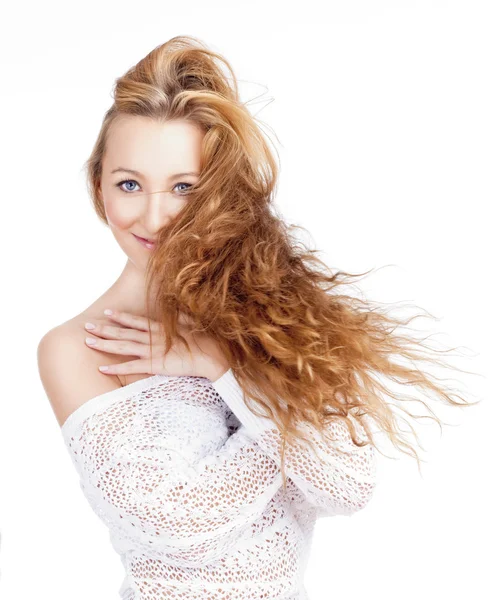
column 147, row 145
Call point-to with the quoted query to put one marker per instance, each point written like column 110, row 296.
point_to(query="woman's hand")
column 133, row 340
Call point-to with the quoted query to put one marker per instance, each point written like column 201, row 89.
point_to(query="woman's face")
column 140, row 203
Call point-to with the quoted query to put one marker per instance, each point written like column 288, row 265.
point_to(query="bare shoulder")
column 68, row 370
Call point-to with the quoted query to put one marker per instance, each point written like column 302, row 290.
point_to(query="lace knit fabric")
column 188, row 481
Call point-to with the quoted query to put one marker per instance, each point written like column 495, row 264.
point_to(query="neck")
column 127, row 293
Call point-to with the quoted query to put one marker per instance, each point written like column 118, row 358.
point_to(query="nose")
column 156, row 213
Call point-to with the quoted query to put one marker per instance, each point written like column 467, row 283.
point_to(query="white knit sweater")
column 188, row 481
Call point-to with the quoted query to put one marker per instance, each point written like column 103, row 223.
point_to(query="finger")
column 134, row 321
column 111, row 332
column 133, row 367
column 122, row 347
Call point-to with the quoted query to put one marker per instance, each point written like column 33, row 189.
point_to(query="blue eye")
column 183, row 183
column 121, row 183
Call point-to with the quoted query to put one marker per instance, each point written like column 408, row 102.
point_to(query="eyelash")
column 134, row 181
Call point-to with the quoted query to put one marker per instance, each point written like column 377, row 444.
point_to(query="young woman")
column 240, row 383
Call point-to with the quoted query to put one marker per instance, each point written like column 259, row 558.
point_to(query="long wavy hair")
column 303, row 350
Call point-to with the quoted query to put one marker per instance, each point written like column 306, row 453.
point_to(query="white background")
column 397, row 106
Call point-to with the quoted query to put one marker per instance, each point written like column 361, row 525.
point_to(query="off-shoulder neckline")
column 94, row 403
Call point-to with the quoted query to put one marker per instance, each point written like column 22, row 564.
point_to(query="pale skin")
column 142, row 204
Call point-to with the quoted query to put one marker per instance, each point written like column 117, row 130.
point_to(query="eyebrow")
column 138, row 174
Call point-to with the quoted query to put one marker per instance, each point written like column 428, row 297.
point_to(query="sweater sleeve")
column 197, row 508
column 335, row 483
column 196, row 511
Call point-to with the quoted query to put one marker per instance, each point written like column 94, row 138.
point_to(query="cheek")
column 118, row 215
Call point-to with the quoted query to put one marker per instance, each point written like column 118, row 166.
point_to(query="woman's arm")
column 198, row 510
column 333, row 482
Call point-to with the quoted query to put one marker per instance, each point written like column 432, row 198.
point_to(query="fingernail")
column 103, row 368
column 107, row 311
column 89, row 326
column 90, row 341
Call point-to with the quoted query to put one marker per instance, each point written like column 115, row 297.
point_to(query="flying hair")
column 302, row 346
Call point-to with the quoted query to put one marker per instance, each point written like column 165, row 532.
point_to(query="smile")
column 145, row 243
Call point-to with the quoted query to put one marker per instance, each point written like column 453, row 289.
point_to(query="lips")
column 144, row 239
column 144, row 242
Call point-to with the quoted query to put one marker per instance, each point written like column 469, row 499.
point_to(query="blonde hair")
column 298, row 346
